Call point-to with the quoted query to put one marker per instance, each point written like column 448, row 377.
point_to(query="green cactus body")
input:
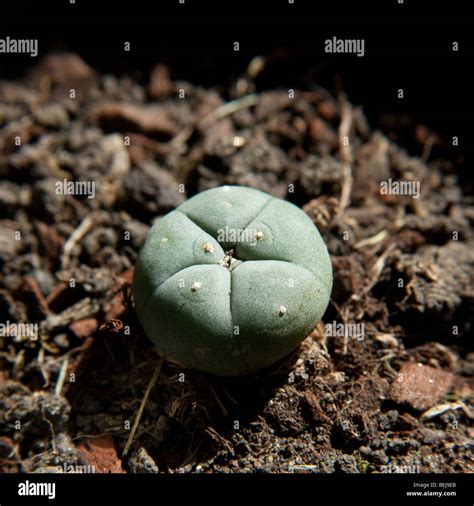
column 231, row 281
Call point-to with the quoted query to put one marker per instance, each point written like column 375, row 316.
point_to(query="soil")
column 398, row 397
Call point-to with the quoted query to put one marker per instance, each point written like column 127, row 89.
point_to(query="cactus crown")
column 232, row 280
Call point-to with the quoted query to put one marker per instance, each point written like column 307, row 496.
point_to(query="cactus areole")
column 231, row 281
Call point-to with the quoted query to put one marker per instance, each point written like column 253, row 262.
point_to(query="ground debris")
column 403, row 270
column 439, row 277
column 100, row 454
column 420, row 386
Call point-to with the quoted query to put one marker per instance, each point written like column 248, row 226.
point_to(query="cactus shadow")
column 218, row 413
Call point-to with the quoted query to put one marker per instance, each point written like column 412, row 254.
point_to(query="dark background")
column 406, row 46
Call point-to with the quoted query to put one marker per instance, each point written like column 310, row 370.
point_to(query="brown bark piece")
column 420, row 386
column 84, row 328
column 150, row 119
column 160, row 83
column 101, row 453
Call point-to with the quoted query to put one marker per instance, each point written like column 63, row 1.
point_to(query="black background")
column 239, row 490
column 406, row 46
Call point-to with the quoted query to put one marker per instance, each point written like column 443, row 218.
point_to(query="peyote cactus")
column 231, row 281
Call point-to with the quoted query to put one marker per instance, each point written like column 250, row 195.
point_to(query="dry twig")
column 82, row 230
column 346, row 155
column 61, row 377
column 227, row 109
column 149, row 388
